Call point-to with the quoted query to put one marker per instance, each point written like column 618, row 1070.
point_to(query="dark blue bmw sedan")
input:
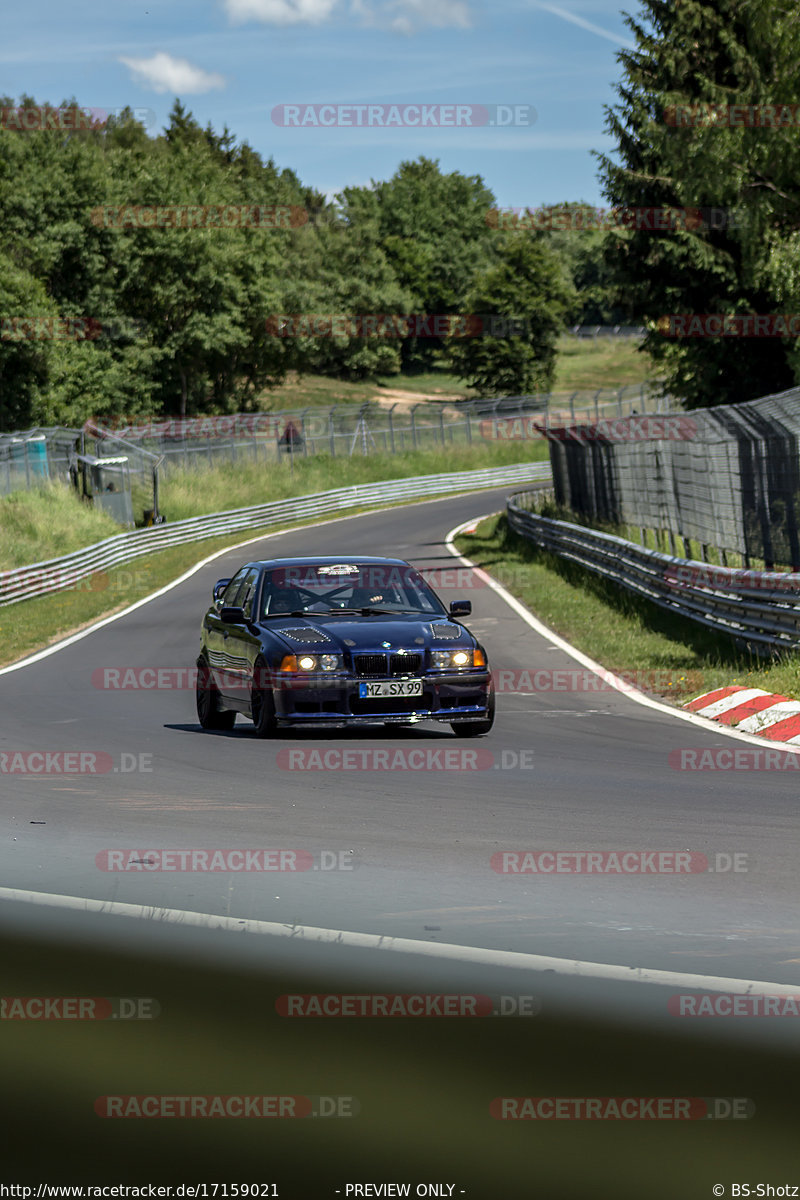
column 339, row 642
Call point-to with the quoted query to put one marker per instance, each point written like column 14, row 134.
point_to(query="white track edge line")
column 615, row 681
column 375, row 941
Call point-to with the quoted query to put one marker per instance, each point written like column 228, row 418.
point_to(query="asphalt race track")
column 402, row 852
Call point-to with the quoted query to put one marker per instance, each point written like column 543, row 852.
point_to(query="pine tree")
column 693, row 59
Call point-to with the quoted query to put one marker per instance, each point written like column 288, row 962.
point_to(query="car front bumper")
column 336, row 702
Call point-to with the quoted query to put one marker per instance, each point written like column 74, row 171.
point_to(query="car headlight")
column 311, row 662
column 443, row 659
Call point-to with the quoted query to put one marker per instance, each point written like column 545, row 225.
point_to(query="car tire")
column 475, row 728
column 262, row 705
column 209, row 713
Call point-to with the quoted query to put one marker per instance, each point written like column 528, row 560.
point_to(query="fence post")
column 332, row 431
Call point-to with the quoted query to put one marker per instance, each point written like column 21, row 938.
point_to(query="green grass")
column 47, row 522
column 584, row 364
column 50, row 521
column 187, row 493
column 320, row 391
column 662, row 652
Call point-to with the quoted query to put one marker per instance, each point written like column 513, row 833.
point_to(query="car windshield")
column 348, row 588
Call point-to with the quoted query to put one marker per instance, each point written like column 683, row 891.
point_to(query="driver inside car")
column 282, row 600
column 363, row 597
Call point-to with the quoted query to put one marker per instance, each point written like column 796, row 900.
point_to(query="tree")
column 434, row 232
column 693, row 59
column 528, row 288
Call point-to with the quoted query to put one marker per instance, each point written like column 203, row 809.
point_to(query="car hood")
column 369, row 634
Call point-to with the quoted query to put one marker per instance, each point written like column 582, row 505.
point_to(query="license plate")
column 390, row 687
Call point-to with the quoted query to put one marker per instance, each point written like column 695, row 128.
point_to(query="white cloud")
column 281, row 12
column 400, row 16
column 407, row 16
column 163, row 73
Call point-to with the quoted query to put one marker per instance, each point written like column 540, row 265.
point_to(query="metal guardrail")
column 759, row 608
column 58, row 574
column 596, row 331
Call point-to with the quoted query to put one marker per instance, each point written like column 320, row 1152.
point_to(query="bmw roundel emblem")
column 386, row 645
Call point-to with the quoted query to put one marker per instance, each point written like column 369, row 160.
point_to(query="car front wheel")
column 262, row 703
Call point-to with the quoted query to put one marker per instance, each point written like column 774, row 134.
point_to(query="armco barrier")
column 39, row 579
column 759, row 608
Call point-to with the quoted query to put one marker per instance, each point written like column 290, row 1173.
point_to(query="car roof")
column 325, row 560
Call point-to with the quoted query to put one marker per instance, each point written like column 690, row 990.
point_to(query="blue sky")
column 232, row 61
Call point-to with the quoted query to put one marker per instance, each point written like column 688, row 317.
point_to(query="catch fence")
column 727, row 476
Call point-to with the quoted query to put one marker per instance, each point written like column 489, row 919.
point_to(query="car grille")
column 369, row 664
column 404, row 664
column 376, row 664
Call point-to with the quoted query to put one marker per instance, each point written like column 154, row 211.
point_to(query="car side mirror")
column 460, row 608
column 231, row 616
column 219, row 588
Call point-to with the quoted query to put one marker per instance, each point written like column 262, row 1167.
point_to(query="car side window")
column 248, row 592
column 231, row 597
